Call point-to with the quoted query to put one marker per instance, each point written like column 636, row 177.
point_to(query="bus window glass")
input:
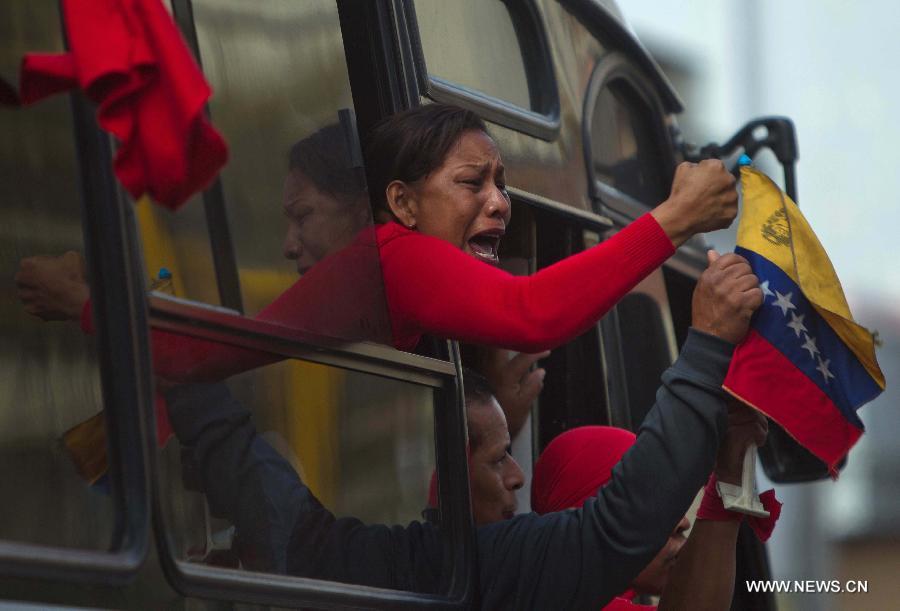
column 495, row 66
column 648, row 340
column 282, row 64
column 51, row 481
column 625, row 149
column 362, row 444
column 293, row 192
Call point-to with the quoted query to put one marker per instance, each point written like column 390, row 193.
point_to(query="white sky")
column 832, row 67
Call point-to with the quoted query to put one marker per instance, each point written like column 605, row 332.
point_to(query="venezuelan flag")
column 805, row 363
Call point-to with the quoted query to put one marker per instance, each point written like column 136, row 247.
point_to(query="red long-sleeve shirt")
column 435, row 288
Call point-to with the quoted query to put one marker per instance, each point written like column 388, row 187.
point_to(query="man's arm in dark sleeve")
column 282, row 526
column 244, row 478
column 583, row 558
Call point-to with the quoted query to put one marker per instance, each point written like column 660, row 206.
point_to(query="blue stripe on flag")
column 788, row 321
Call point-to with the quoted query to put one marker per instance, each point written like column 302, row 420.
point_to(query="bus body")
column 586, row 124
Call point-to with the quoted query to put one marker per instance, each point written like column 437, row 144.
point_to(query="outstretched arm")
column 282, row 526
column 583, row 558
column 435, row 288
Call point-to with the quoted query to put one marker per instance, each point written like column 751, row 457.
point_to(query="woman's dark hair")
column 412, row 144
column 325, row 158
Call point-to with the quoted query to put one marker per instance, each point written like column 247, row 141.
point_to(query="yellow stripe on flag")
column 772, row 226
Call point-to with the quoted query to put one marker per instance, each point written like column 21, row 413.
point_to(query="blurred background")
column 829, row 66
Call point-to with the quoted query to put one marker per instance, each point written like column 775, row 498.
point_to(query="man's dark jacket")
column 576, row 559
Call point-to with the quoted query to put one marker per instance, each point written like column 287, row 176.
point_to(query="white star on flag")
column 767, row 292
column 797, row 324
column 823, row 369
column 784, row 302
column 810, row 345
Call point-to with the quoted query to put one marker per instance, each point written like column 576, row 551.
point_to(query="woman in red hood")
column 695, row 573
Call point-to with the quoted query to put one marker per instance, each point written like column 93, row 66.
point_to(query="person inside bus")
column 579, row 558
column 494, row 475
column 437, row 185
column 693, row 573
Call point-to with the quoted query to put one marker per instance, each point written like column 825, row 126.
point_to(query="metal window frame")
column 119, row 311
column 621, row 208
column 613, row 33
column 616, row 67
column 444, row 377
column 217, row 226
column 380, row 66
column 529, row 25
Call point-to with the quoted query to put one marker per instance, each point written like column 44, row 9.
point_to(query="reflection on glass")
column 49, row 380
column 625, row 149
column 294, row 195
column 494, row 66
column 279, row 75
column 363, row 445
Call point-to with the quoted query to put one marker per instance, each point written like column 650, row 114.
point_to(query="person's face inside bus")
column 652, row 580
column 318, row 223
column 494, row 475
column 464, row 201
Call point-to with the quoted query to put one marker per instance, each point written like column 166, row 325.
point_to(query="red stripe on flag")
column 763, row 377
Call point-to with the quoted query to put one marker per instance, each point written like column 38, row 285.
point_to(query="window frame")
column 122, row 346
column 543, row 123
column 444, row 377
column 378, row 59
column 616, row 67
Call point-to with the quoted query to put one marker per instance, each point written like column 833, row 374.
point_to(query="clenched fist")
column 703, row 198
column 725, row 298
column 746, row 427
column 53, row 288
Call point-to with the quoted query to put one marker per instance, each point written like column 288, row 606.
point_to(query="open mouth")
column 485, row 245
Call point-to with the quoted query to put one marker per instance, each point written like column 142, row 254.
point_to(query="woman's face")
column 318, row 224
column 464, row 201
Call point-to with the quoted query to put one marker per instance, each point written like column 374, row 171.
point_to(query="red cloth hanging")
column 129, row 57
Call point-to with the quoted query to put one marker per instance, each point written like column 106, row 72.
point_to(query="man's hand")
column 725, row 297
column 53, row 288
column 515, row 387
column 703, row 198
column 746, row 426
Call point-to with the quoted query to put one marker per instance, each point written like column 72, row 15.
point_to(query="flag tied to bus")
column 805, row 363
column 129, row 57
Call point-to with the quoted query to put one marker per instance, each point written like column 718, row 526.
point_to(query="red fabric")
column 447, row 293
column 164, row 430
column 711, row 508
column 819, row 426
column 623, row 603
column 433, row 287
column 572, row 468
column 575, row 464
column 128, row 57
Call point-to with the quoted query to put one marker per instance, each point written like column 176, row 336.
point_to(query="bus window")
column 53, row 494
column 293, row 192
column 495, row 66
column 279, row 76
column 625, row 148
column 647, row 343
column 574, row 388
column 507, row 77
column 363, row 444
